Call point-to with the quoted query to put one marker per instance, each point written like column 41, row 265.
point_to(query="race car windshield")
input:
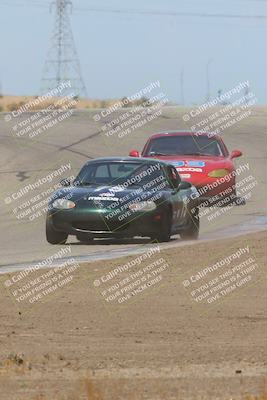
column 118, row 173
column 184, row 145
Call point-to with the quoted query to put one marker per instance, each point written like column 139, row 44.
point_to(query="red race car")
column 200, row 158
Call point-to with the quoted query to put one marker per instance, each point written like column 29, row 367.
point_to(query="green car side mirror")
column 65, row 182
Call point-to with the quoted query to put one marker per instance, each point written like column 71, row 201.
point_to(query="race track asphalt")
column 24, row 161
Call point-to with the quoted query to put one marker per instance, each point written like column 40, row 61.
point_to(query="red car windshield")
column 184, row 145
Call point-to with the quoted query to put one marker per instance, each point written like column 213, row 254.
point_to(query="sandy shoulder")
column 159, row 344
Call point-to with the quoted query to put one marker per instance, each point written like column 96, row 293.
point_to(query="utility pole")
column 246, row 94
column 208, row 80
column 62, row 63
column 182, row 86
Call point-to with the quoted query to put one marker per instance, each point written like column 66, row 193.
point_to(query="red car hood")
column 196, row 168
column 207, row 163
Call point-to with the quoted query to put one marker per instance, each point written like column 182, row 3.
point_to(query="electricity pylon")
column 62, row 63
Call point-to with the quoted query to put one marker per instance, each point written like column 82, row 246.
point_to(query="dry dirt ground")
column 159, row 344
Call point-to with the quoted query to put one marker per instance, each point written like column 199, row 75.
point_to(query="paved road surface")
column 68, row 144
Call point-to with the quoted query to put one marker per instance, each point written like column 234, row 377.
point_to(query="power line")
column 182, row 86
column 150, row 12
column 36, row 5
column 171, row 13
column 24, row 3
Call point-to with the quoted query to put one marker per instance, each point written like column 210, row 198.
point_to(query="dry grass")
column 85, row 389
column 12, row 103
column 261, row 396
column 14, row 363
column 91, row 391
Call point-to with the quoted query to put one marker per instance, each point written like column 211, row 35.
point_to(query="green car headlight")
column 218, row 173
column 143, row 206
column 63, row 204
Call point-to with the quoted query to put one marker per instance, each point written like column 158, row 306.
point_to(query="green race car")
column 123, row 198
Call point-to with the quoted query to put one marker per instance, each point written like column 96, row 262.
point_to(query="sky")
column 122, row 53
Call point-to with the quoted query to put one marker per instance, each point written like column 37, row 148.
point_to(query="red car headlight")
column 218, row 173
